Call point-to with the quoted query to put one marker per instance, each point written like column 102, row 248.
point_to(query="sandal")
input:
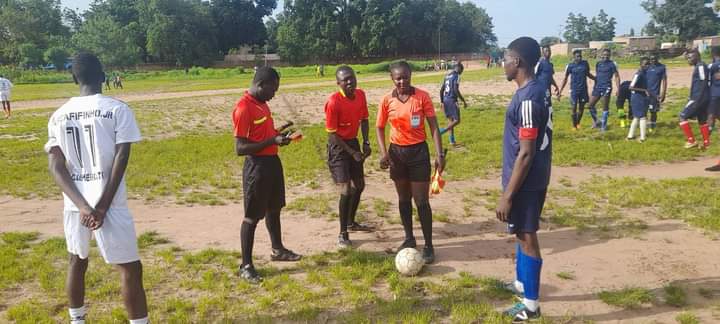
column 284, row 255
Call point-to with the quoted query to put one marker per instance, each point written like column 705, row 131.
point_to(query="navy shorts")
column 714, row 107
column 411, row 162
column 578, row 97
column 694, row 109
column 263, row 185
column 653, row 105
column 451, row 108
column 525, row 213
column 548, row 98
column 602, row 91
column 343, row 167
column 639, row 105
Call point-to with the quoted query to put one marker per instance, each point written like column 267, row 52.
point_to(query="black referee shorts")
column 263, row 185
column 343, row 167
column 411, row 162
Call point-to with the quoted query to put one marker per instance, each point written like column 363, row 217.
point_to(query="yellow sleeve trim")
column 260, row 121
column 329, row 130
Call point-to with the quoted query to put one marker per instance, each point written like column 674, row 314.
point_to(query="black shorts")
column 695, row 109
column 263, row 185
column 714, row 107
column 411, row 162
column 343, row 167
column 525, row 213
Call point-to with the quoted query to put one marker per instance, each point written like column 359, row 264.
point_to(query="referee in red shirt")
column 263, row 182
column 345, row 112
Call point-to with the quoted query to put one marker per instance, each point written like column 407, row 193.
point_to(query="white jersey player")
column 5, row 87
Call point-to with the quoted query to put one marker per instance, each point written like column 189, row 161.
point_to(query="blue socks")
column 452, row 136
column 528, row 272
column 604, row 120
column 442, row 131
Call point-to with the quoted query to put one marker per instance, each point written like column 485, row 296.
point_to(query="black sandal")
column 284, row 255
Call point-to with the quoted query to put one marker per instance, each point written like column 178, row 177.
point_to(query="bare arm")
column 564, row 83
column 663, row 90
column 57, row 168
column 384, row 159
column 617, row 83
column 440, row 160
column 365, row 129
column 120, row 161
column 457, row 90
column 521, row 168
column 244, row 146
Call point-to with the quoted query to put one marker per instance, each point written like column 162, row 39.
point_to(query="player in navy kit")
column 623, row 96
column 640, row 100
column 579, row 69
column 449, row 94
column 696, row 106
column 606, row 72
column 714, row 109
column 657, row 84
column 544, row 72
column 527, row 153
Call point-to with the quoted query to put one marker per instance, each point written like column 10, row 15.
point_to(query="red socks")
column 685, row 126
column 705, row 131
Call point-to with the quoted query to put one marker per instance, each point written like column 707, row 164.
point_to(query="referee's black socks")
column 406, row 218
column 344, row 206
column 425, row 215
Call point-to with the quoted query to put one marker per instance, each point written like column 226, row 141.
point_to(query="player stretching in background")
column 345, row 112
column 407, row 109
column 89, row 140
column 656, row 74
column 606, row 73
column 263, row 181
column 527, row 155
column 696, row 106
column 579, row 69
column 640, row 100
column 449, row 94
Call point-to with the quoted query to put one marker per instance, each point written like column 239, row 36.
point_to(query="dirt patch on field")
column 473, row 241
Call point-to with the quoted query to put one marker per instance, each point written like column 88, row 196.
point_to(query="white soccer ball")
column 409, row 262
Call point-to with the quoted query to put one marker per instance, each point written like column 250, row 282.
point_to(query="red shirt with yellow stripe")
column 252, row 119
column 343, row 115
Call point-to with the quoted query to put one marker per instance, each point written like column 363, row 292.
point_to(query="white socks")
column 519, row 286
column 643, row 128
column 140, row 321
column 532, row 305
column 77, row 315
column 633, row 126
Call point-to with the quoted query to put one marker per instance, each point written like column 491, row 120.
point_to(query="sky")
column 538, row 18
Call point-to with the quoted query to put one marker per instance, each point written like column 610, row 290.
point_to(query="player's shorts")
column 411, row 162
column 116, row 238
column 548, row 98
column 263, row 185
column 451, row 108
column 639, row 105
column 4, row 96
column 653, row 105
column 601, row 91
column 694, row 109
column 578, row 97
column 525, row 212
column 714, row 107
column 343, row 167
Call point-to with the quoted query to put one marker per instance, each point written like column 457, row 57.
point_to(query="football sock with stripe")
column 685, row 126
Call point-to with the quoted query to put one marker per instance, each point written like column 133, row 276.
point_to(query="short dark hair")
column 605, row 49
column 265, row 74
column 460, row 66
column 693, row 50
column 545, row 46
column 400, row 65
column 344, row 68
column 715, row 50
column 87, row 69
column 576, row 51
column 528, row 49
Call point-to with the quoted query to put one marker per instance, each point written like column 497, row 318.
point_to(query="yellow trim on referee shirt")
column 330, row 130
column 260, row 121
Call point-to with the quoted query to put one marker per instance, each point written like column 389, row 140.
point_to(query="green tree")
column 111, row 42
column 25, row 22
column 550, row 40
column 602, row 27
column 240, row 22
column 687, row 19
column 30, row 55
column 57, row 56
column 577, row 28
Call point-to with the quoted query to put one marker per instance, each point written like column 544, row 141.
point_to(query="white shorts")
column 4, row 96
column 116, row 238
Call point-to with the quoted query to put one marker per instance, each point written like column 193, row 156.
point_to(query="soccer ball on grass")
column 409, row 262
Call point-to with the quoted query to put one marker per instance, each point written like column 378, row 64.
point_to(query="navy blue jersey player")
column 544, row 72
column 697, row 105
column 449, row 94
column 579, row 70
column 657, row 84
column 606, row 73
column 640, row 100
column 623, row 96
column 527, row 153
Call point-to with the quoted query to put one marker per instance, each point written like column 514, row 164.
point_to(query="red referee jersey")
column 252, row 120
column 343, row 115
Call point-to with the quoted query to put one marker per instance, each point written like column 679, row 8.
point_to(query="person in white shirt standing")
column 89, row 140
column 5, row 87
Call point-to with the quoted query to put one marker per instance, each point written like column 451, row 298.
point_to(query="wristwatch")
column 366, row 142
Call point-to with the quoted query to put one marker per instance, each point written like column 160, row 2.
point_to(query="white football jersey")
column 5, row 85
column 87, row 129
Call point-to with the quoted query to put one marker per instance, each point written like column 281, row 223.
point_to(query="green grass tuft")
column 630, row 298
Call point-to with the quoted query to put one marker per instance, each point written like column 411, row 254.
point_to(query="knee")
column 357, row 187
column 422, row 203
column 77, row 263
column 251, row 221
column 343, row 188
column 131, row 272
